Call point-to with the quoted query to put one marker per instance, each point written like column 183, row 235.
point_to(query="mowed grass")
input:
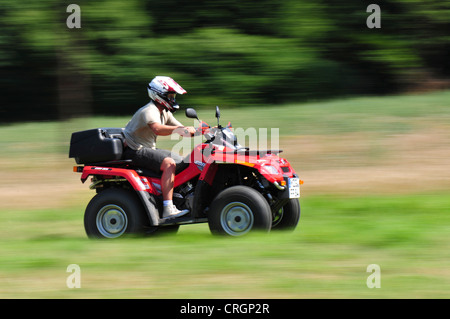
column 327, row 256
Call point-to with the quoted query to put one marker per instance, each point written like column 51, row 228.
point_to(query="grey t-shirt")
column 138, row 133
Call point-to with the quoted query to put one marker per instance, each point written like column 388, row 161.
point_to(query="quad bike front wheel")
column 238, row 210
column 288, row 216
column 113, row 213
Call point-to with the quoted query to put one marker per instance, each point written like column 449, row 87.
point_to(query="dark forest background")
column 228, row 53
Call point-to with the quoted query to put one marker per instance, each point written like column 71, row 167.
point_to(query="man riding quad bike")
column 232, row 188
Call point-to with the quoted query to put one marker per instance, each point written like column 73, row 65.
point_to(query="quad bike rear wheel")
column 238, row 210
column 113, row 213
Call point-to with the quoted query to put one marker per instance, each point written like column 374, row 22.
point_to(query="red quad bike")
column 234, row 189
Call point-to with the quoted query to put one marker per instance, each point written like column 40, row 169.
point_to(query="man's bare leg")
column 168, row 177
column 168, row 167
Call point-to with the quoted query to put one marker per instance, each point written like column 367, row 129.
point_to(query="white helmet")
column 159, row 89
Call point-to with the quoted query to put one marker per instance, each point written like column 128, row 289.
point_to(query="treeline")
column 227, row 53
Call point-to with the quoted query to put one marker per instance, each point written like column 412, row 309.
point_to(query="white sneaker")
column 171, row 211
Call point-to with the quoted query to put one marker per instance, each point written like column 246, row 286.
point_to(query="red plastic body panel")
column 204, row 163
column 130, row 175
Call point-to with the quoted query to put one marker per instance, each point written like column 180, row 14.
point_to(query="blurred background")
column 233, row 53
column 363, row 116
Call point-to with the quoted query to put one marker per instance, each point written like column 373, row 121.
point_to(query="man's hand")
column 186, row 131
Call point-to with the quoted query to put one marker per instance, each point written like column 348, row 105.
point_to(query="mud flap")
column 150, row 206
column 199, row 197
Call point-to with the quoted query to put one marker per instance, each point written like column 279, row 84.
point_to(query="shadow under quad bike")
column 234, row 189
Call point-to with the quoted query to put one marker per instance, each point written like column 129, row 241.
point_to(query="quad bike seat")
column 105, row 147
column 151, row 173
column 180, row 166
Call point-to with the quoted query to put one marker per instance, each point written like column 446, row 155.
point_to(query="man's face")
column 171, row 96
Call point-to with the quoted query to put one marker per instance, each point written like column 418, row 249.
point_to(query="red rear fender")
column 138, row 183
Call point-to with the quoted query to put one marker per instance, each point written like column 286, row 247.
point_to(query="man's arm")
column 164, row 130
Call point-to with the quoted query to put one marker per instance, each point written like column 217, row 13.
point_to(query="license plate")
column 294, row 187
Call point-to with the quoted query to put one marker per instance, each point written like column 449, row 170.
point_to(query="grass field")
column 377, row 186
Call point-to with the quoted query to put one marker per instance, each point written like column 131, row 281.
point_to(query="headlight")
column 270, row 170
